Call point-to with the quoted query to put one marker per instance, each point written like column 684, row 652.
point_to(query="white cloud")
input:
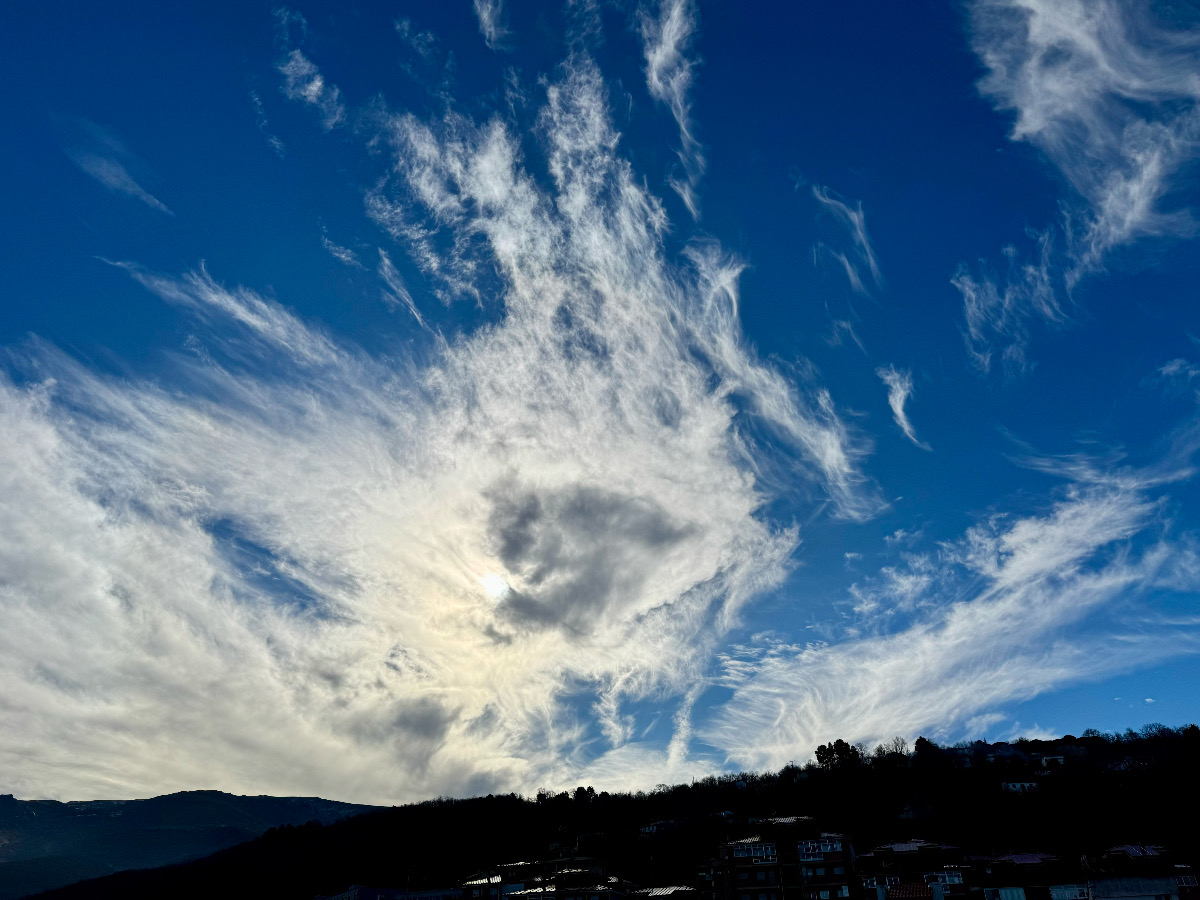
column 854, row 221
column 1110, row 96
column 267, row 569
column 900, row 388
column 666, row 40
column 1033, row 732
column 978, row 726
column 100, row 157
column 302, row 80
column 492, row 25
column 423, row 43
column 397, row 293
column 344, row 255
column 290, row 26
column 998, row 312
column 260, row 119
column 1000, row 621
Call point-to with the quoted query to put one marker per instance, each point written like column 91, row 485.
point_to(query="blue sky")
column 409, row 399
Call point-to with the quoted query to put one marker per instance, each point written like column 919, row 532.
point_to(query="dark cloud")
column 578, row 551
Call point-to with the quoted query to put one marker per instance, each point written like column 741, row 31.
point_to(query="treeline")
column 1093, row 791
column 1155, row 741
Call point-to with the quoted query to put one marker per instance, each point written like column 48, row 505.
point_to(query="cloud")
column 423, row 43
column 998, row 311
column 291, row 27
column 344, row 255
column 1033, row 732
column 854, row 222
column 99, row 155
column 260, row 118
column 900, row 387
column 303, row 81
column 268, row 566
column 666, row 40
column 903, row 536
column 492, row 24
column 1014, row 608
column 978, row 726
column 397, row 293
column 1109, row 95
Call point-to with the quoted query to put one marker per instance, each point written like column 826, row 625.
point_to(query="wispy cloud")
column 998, row 311
column 1010, row 610
column 900, row 388
column 260, row 119
column 1110, row 96
column 302, row 80
column 397, row 292
column 265, row 567
column 100, row 153
column 854, row 222
column 666, row 38
column 291, row 28
column 492, row 23
column 344, row 255
column 422, row 43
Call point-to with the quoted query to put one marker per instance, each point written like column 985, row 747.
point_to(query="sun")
column 496, row 587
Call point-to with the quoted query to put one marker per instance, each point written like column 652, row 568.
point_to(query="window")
column 844, row 891
column 743, row 876
column 839, row 870
column 824, row 895
column 820, row 870
column 762, row 876
column 815, row 849
column 943, row 878
column 761, row 851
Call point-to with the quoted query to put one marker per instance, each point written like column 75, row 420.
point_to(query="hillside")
column 46, row 844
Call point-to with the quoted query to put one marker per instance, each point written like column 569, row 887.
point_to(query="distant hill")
column 46, row 844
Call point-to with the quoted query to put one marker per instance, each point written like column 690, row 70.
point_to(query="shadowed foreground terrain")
column 1067, row 797
column 46, row 844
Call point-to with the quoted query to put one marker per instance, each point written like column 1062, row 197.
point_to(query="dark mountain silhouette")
column 1066, row 797
column 46, row 844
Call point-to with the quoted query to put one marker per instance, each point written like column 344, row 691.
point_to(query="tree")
column 839, row 755
column 926, row 747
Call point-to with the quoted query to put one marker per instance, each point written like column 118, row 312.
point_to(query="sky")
column 402, row 400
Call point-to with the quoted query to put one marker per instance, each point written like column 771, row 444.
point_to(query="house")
column 362, row 892
column 788, row 859
column 671, row 892
column 1163, row 888
column 826, row 867
column 911, row 870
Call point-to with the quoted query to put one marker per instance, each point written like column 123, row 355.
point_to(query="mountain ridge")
column 46, row 844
